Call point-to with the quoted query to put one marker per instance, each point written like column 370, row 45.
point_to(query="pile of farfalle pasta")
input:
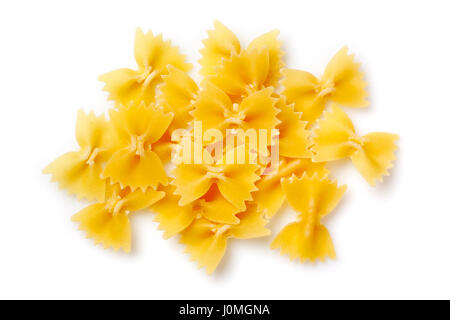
column 126, row 159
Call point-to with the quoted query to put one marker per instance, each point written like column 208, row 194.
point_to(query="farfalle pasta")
column 108, row 222
column 342, row 82
column 79, row 172
column 312, row 198
column 240, row 72
column 137, row 129
column 173, row 218
column 215, row 110
column 217, row 160
column 220, row 44
column 153, row 55
column 206, row 241
column 293, row 138
column 335, row 139
column 178, row 95
column 270, row 196
column 236, row 182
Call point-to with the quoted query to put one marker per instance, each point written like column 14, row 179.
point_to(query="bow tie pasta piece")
column 173, row 218
column 375, row 156
column 178, row 93
column 108, row 222
column 342, row 82
column 270, row 41
column 138, row 129
column 243, row 74
column 270, row 196
column 220, row 44
column 335, row 139
column 235, row 181
column 293, row 137
column 80, row 172
column 215, row 110
column 153, row 55
column 206, row 241
column 313, row 198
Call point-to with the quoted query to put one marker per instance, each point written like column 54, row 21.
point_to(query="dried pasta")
column 240, row 72
column 342, row 82
column 153, row 55
column 270, row 196
column 235, row 182
column 216, row 160
column 173, row 218
column 215, row 110
column 137, row 128
column 220, row 44
column 335, row 139
column 313, row 198
column 80, row 172
column 108, row 222
column 178, row 94
column 293, row 136
column 206, row 241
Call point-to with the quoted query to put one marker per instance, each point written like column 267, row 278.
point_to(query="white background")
column 392, row 241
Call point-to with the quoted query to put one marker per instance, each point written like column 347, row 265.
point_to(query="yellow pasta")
column 137, row 129
column 313, row 198
column 335, row 139
column 241, row 72
column 238, row 143
column 342, row 82
column 79, row 171
column 163, row 148
column 173, row 218
column 220, row 44
column 270, row 41
column 270, row 196
column 293, row 136
column 206, row 241
column 235, row 181
column 178, row 94
column 153, row 55
column 108, row 222
column 215, row 110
